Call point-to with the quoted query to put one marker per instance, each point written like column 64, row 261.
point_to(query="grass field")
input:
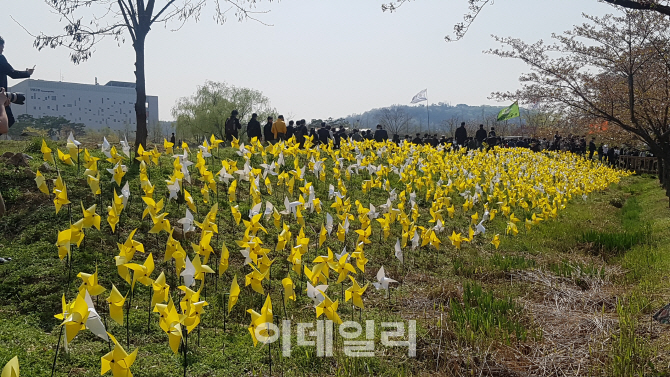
column 573, row 296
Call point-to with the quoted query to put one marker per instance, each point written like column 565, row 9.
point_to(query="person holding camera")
column 7, row 70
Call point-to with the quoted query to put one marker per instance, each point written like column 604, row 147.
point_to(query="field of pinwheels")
column 214, row 260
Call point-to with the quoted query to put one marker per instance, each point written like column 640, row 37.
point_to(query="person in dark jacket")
column 267, row 131
column 290, row 130
column 254, row 128
column 480, row 135
column 396, row 139
column 231, row 126
column 417, row 140
column 300, row 132
column 592, row 148
column 172, row 138
column 324, row 133
column 461, row 134
column 7, row 70
column 380, row 134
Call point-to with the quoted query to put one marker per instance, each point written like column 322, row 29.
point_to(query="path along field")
column 580, row 267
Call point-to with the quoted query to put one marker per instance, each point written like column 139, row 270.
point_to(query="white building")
column 96, row 106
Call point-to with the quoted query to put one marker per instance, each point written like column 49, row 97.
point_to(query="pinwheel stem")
column 185, row 349
column 128, row 319
column 109, row 342
column 149, row 311
column 53, row 366
column 270, row 356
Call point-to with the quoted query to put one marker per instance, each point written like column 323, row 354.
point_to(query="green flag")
column 509, row 112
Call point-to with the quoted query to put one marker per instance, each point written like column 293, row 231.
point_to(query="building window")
column 53, row 98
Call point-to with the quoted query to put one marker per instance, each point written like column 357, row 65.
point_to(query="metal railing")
column 638, row 164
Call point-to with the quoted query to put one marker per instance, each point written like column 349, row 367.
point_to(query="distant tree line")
column 46, row 126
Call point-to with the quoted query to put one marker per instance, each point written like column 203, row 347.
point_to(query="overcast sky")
column 319, row 58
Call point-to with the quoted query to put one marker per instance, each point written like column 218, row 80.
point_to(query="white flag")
column 420, row 97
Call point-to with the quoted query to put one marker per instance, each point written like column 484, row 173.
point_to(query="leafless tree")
column 613, row 69
column 89, row 21
column 477, row 6
column 395, row 120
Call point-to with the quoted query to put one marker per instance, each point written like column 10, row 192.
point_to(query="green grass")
column 481, row 315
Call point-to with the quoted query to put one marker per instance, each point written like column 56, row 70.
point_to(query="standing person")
column 232, row 125
column 396, row 139
column 7, row 70
column 267, row 131
column 356, row 136
column 301, row 132
column 279, row 128
column 461, row 134
column 172, row 139
column 254, row 128
column 337, row 137
column 380, row 134
column 417, row 140
column 324, row 134
column 480, row 135
column 290, row 130
column 592, row 148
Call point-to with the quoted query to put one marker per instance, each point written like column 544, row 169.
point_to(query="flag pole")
column 427, row 111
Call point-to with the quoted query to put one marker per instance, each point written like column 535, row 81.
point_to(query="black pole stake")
column 53, row 366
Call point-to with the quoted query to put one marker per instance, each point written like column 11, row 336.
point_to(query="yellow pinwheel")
column 194, row 312
column 160, row 223
column 189, row 201
column 168, row 146
column 456, row 239
column 174, row 250
column 11, row 369
column 289, row 292
column 342, row 267
column 142, row 272
column 161, row 290
column 152, row 208
column 329, row 308
column 41, row 183
column 236, row 214
column 364, row 235
column 90, row 217
column 496, row 241
column 355, row 292
column 90, row 283
column 65, row 158
column 322, row 235
column 170, row 323
column 117, row 173
column 118, row 361
column 61, row 194
column 260, row 321
column 203, row 247
column 94, row 183
column 223, row 262
column 112, row 217
column 234, row 294
column 76, row 318
column 46, row 151
column 116, row 302
column 255, row 279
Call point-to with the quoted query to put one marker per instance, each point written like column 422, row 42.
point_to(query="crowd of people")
column 277, row 130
